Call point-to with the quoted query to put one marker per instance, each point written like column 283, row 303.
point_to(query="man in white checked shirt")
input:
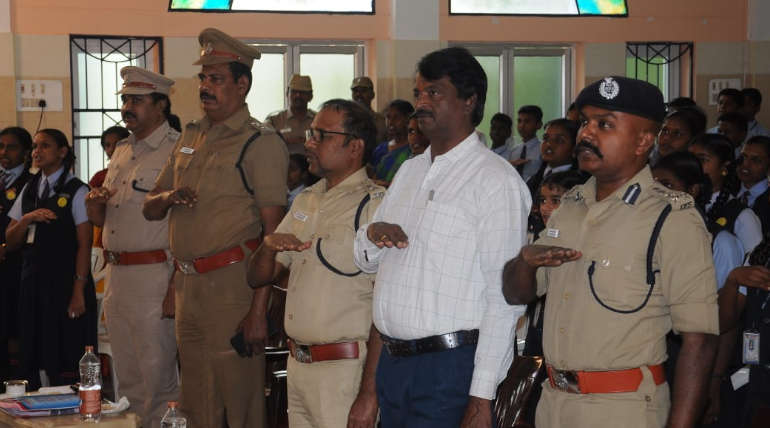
column 438, row 242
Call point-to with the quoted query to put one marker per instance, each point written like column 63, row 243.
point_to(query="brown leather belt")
column 603, row 382
column 135, row 258
column 328, row 352
column 441, row 342
column 216, row 261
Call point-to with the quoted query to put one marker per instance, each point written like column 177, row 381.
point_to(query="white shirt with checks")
column 465, row 215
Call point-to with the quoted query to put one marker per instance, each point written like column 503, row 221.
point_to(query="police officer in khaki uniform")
column 362, row 91
column 334, row 346
column 624, row 260
column 139, row 295
column 224, row 184
column 292, row 123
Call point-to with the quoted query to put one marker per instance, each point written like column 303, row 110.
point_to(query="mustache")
column 422, row 113
column 583, row 144
column 207, row 96
column 128, row 115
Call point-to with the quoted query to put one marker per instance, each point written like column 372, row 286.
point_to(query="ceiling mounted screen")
column 307, row 6
column 539, row 7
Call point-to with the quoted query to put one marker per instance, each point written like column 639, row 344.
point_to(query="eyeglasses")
column 318, row 134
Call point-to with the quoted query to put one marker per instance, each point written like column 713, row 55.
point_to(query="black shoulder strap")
column 356, row 222
column 239, row 163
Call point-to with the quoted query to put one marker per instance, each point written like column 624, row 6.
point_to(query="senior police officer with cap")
column 139, row 300
column 334, row 346
column 292, row 122
column 362, row 91
column 224, row 184
column 624, row 260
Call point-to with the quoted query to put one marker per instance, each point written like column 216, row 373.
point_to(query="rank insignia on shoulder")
column 678, row 200
column 574, row 194
column 378, row 195
column 632, row 194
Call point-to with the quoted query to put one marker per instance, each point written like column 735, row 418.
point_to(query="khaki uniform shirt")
column 205, row 160
column 132, row 172
column 323, row 306
column 291, row 127
column 581, row 334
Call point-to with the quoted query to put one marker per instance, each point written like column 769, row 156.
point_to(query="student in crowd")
column 730, row 100
column 418, row 142
column 679, row 103
column 299, row 177
column 723, row 210
column 753, row 168
column 733, row 126
column 397, row 119
column 15, row 146
column 526, row 156
column 110, row 138
column 679, row 129
column 752, row 104
column 556, row 151
column 57, row 304
column 500, row 131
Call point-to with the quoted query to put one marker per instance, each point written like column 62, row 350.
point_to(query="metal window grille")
column 667, row 65
column 95, row 63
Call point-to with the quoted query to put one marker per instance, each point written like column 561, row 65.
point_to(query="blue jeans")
column 426, row 390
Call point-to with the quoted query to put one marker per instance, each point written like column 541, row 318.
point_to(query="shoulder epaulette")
column 677, row 200
column 375, row 191
column 574, row 194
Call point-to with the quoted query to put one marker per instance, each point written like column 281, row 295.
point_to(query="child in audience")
column 418, row 142
column 526, row 156
column 723, row 210
column 679, row 129
column 500, row 130
column 396, row 119
column 298, row 176
column 57, row 304
column 735, row 127
column 753, row 168
column 556, row 151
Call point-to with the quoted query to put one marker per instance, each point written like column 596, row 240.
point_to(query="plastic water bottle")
column 90, row 390
column 173, row 418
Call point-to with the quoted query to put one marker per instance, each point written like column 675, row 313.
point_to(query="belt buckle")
column 186, row 267
column 302, row 354
column 566, row 380
column 112, row 257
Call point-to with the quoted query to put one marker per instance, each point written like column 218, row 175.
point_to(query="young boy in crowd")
column 500, row 131
column 753, row 168
column 752, row 104
column 418, row 142
column 526, row 156
column 733, row 126
column 730, row 100
column 556, row 150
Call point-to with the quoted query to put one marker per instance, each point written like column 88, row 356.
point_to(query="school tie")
column 4, row 179
column 520, row 168
column 744, row 198
column 46, row 191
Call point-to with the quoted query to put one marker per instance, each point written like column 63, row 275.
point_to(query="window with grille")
column 667, row 65
column 95, row 63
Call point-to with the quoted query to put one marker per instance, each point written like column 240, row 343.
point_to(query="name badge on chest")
column 187, row 150
column 751, row 347
column 299, row 215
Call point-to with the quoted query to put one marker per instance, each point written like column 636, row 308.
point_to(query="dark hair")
column 736, row 119
column 301, row 161
column 463, row 70
column 69, row 158
column 404, row 107
column 680, row 102
column 570, row 126
column 532, row 110
column 23, row 138
column 502, row 117
column 693, row 119
column 238, row 69
column 173, row 120
column 358, row 121
column 762, row 141
column 734, row 94
column 564, row 179
column 116, row 130
column 753, row 94
column 761, row 253
column 721, row 147
column 572, row 106
column 688, row 169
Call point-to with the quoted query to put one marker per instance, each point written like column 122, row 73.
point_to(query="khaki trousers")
column 143, row 344
column 645, row 408
column 320, row 394
column 216, row 382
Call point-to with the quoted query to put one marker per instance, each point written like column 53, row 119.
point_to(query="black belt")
column 442, row 342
